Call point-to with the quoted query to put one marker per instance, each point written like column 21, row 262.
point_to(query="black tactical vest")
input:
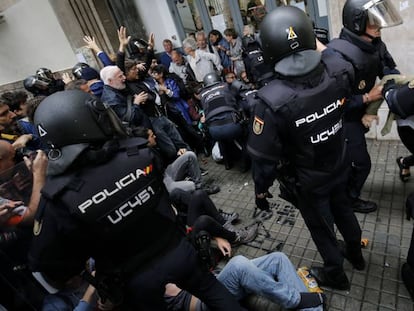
column 122, row 204
column 311, row 135
column 256, row 68
column 367, row 66
column 216, row 100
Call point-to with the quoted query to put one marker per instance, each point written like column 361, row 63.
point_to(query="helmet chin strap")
column 369, row 36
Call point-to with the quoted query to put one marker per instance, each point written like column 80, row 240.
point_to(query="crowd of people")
column 96, row 160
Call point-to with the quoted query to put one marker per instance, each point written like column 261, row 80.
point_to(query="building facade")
column 48, row 33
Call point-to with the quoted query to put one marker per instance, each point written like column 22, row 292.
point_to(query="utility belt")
column 232, row 117
column 220, row 122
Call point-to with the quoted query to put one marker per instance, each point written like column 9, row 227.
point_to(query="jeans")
column 184, row 166
column 242, row 276
column 180, row 266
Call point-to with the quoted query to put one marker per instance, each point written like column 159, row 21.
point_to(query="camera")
column 202, row 244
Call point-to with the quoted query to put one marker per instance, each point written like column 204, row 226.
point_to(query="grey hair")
column 190, row 43
column 107, row 73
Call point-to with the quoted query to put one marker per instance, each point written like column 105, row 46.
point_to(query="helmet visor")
column 41, row 82
column 382, row 13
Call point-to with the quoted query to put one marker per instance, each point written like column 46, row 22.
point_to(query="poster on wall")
column 218, row 22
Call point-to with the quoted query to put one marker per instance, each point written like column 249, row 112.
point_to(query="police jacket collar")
column 357, row 40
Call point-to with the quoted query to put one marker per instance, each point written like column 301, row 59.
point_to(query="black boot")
column 362, row 206
column 352, row 254
column 225, row 154
column 407, row 274
column 334, row 279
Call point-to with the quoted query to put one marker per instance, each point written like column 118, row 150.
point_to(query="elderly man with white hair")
column 116, row 94
column 201, row 62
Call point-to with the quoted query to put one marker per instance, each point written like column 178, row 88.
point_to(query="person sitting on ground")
column 184, row 173
column 271, row 276
column 201, row 215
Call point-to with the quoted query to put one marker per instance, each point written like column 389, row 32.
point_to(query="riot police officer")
column 105, row 199
column 297, row 122
column 400, row 100
column 223, row 117
column 258, row 71
column 43, row 83
column 360, row 42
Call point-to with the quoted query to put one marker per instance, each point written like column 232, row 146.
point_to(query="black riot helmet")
column 72, row 117
column 284, row 31
column 37, row 85
column 211, row 79
column 44, row 73
column 71, row 121
column 77, row 70
column 357, row 13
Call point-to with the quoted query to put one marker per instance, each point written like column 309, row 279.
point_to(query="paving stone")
column 379, row 286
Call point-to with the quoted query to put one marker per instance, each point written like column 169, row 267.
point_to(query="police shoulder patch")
column 258, row 125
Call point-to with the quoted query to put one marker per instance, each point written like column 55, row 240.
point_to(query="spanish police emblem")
column 362, row 84
column 258, row 125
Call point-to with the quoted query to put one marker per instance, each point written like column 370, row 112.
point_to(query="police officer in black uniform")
column 258, row 71
column 223, row 116
column 400, row 100
column 43, row 83
column 297, row 121
column 105, row 199
column 360, row 43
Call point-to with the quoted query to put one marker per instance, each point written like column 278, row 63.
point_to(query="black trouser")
column 357, row 156
column 213, row 227
column 201, row 204
column 180, row 266
column 406, row 134
column 202, row 214
column 410, row 255
column 264, row 174
column 321, row 209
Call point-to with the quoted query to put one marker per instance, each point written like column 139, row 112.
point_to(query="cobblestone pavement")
column 379, row 286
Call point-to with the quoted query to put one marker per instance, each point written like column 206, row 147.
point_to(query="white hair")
column 190, row 43
column 108, row 73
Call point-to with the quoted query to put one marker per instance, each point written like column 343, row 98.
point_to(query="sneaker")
column 246, row 234
column 229, row 217
column 229, row 227
column 203, row 171
column 211, row 189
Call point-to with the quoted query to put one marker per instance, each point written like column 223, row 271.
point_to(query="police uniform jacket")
column 299, row 120
column 116, row 212
column 370, row 60
column 219, row 103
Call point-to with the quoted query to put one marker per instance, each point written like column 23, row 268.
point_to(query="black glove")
column 390, row 84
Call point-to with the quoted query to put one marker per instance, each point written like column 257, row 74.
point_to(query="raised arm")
column 92, row 45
